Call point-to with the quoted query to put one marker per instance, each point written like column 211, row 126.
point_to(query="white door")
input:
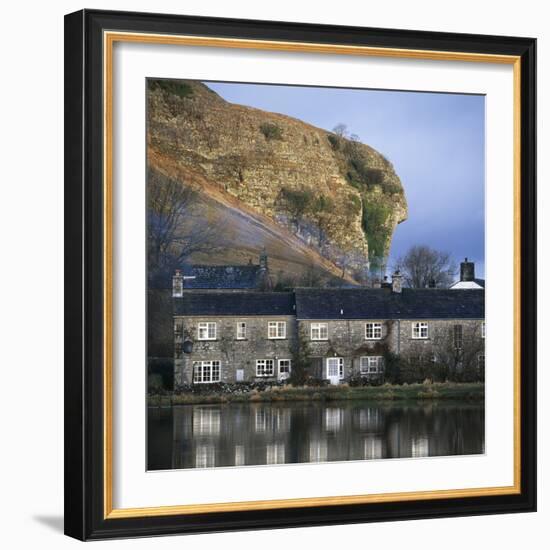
column 335, row 368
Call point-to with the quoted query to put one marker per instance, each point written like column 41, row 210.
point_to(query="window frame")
column 263, row 374
column 208, row 325
column 277, row 324
column 376, row 327
column 419, row 324
column 378, row 367
column 211, row 365
column 318, row 327
column 240, row 325
column 279, row 361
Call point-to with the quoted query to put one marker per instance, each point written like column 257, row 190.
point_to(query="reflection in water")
column 205, row 436
column 205, row 456
column 239, row 455
column 318, row 450
column 275, row 453
column 333, row 419
column 373, row 447
column 206, row 421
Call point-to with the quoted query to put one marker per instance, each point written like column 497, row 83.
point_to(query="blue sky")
column 435, row 142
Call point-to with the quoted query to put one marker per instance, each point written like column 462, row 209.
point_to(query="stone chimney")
column 263, row 259
column 177, row 284
column 396, row 282
column 467, row 270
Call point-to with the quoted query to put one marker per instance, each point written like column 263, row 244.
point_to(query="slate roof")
column 239, row 277
column 467, row 284
column 382, row 303
column 234, row 304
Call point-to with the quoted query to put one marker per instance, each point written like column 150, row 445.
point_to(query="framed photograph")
column 300, row 274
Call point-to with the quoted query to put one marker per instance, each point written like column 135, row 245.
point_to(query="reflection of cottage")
column 468, row 277
column 243, row 335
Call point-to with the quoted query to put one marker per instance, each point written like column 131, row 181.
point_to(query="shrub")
column 161, row 371
column 154, row 383
column 361, row 381
column 375, row 216
column 271, row 131
column 334, row 141
column 297, row 201
column 174, row 87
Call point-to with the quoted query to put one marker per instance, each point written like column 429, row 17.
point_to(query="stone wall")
column 234, row 354
column 346, row 339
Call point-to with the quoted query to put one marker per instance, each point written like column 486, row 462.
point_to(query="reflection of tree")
column 175, row 228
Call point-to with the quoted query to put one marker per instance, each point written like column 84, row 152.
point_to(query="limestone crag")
column 340, row 197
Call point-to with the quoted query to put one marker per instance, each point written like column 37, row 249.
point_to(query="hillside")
column 312, row 198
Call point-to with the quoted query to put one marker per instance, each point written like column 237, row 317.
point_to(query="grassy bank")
column 387, row 392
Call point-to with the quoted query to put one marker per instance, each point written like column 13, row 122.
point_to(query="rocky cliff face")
column 338, row 197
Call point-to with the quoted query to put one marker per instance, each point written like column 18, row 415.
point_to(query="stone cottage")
column 226, row 278
column 233, row 336
column 252, row 336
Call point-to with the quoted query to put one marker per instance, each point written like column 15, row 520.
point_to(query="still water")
column 206, row 436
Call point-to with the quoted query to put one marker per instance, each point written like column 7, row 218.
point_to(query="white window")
column 284, row 368
column 241, row 331
column 483, row 329
column 206, row 372
column 207, row 331
column 373, row 331
column 276, row 330
column 265, row 367
column 420, row 330
column 371, row 364
column 319, row 331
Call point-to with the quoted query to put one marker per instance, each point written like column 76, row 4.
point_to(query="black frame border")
column 84, row 497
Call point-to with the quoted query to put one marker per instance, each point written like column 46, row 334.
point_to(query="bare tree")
column 423, row 266
column 458, row 348
column 341, row 129
column 175, row 229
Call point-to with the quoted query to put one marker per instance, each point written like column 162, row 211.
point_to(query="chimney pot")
column 177, row 284
column 396, row 282
column 467, row 270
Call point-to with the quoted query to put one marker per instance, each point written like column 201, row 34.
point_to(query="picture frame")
column 90, row 161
